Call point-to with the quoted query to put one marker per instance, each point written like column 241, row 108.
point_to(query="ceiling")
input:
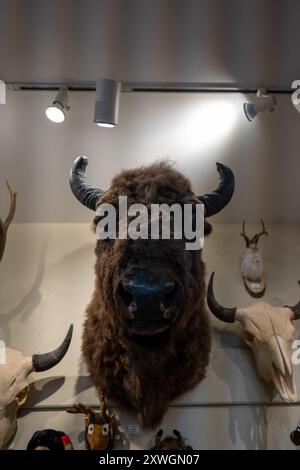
column 247, row 43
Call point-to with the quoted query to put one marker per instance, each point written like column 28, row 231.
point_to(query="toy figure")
column 99, row 427
column 49, row 439
column 170, row 442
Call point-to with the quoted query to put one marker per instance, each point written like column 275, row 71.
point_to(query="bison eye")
column 249, row 338
column 105, row 429
column 91, row 429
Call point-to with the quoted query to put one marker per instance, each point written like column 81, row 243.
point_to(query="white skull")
column 14, row 383
column 269, row 332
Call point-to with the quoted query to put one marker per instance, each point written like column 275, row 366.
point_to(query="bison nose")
column 147, row 297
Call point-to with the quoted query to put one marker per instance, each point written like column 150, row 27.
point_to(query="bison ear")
column 94, row 223
column 207, row 228
column 93, row 227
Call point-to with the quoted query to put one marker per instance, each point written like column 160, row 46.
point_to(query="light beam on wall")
column 208, row 123
column 107, row 102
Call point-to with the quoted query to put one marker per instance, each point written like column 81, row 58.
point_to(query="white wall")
column 46, row 281
column 46, row 276
column 194, row 130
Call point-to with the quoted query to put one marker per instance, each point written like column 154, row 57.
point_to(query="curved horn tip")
column 222, row 313
column 215, row 201
column 222, row 169
column 82, row 161
column 42, row 362
column 84, row 193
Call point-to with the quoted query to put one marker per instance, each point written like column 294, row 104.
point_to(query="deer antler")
column 243, row 234
column 263, row 232
column 4, row 225
column 80, row 408
column 103, row 409
column 102, row 402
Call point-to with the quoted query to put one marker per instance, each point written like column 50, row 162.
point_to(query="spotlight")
column 107, row 102
column 265, row 103
column 57, row 111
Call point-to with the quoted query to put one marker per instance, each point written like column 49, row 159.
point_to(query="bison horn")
column 222, row 313
column 214, row 202
column 41, row 362
column 85, row 194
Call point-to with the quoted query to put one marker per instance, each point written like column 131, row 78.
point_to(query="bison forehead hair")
column 146, row 337
column 159, row 182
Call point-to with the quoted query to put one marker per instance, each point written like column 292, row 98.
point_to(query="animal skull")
column 14, row 383
column 269, row 332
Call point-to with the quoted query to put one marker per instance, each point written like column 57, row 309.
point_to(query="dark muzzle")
column 148, row 299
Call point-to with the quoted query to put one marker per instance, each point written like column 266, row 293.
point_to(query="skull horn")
column 222, row 313
column 41, row 362
column 216, row 201
column 85, row 194
column 295, row 309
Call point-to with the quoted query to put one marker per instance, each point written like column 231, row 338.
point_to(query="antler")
column 263, row 232
column 243, row 234
column 179, row 437
column 4, row 225
column 80, row 408
column 103, row 410
column 102, row 402
column 158, row 441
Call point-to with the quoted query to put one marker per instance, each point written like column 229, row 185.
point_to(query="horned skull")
column 269, row 332
column 14, row 383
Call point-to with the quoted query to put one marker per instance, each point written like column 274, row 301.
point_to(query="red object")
column 67, row 442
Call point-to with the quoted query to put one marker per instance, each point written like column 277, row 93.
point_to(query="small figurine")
column 99, row 427
column 295, row 436
column 252, row 264
column 170, row 442
column 49, row 439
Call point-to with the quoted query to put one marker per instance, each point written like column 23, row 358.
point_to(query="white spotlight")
column 265, row 103
column 57, row 111
column 107, row 102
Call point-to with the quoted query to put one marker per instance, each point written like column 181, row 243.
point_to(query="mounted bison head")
column 146, row 336
column 269, row 332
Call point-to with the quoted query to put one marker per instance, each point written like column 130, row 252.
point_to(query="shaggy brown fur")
column 145, row 373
